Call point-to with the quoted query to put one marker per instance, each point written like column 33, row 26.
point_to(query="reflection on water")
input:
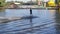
column 48, row 22
column 58, row 21
column 2, row 13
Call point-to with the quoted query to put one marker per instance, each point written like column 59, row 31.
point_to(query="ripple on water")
column 44, row 23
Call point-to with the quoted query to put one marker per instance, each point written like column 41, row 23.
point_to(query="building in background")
column 39, row 2
column 51, row 3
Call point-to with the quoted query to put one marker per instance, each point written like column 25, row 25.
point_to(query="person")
column 30, row 11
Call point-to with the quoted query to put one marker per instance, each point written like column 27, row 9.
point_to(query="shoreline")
column 33, row 8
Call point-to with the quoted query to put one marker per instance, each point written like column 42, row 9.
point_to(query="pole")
column 45, row 4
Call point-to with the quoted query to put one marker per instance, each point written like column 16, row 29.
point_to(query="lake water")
column 47, row 22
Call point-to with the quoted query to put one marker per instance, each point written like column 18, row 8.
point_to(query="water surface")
column 46, row 23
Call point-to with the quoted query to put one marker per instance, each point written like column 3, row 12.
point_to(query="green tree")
column 57, row 1
column 2, row 3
